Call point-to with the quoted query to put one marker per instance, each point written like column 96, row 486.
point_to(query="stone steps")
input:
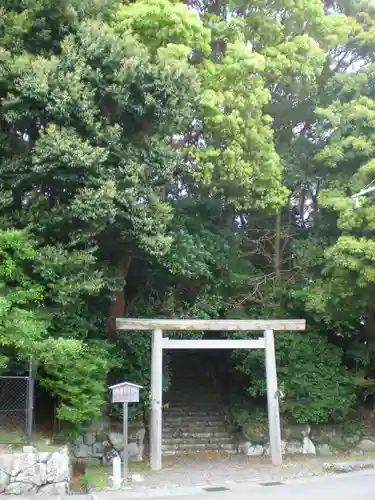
column 198, row 447
column 193, row 403
column 194, row 427
column 193, row 407
column 214, row 409
column 198, row 440
column 181, row 397
column 173, row 434
column 181, row 412
column 193, row 419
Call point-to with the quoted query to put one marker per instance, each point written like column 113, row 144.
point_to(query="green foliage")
column 228, row 144
column 252, row 421
column 196, row 163
column 314, row 386
column 22, row 325
column 77, row 374
column 159, row 23
column 34, row 283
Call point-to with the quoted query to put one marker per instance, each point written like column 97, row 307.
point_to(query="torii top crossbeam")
column 211, row 324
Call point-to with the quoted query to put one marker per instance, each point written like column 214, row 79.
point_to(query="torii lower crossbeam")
column 159, row 343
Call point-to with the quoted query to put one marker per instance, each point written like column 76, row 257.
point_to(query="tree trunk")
column 117, row 306
column 277, row 247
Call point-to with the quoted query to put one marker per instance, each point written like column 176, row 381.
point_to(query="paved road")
column 354, row 486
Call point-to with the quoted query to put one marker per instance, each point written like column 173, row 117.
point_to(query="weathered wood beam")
column 213, row 344
column 273, row 399
column 212, row 324
column 156, row 416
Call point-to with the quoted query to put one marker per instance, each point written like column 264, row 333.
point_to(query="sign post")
column 125, row 393
column 125, row 434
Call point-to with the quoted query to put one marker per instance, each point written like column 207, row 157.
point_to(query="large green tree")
column 172, row 158
column 84, row 156
column 318, row 56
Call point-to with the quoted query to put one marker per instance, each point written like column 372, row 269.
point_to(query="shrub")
column 314, row 385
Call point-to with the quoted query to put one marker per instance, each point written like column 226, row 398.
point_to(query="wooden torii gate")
column 159, row 343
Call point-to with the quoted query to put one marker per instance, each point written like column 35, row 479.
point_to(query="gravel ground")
column 211, row 469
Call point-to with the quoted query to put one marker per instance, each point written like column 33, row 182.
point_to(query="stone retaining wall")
column 316, row 440
column 100, row 446
column 32, row 472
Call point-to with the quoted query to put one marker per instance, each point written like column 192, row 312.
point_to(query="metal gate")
column 16, row 408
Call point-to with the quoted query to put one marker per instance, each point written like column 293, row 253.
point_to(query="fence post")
column 30, row 402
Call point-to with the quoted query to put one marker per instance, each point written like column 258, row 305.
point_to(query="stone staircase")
column 193, row 420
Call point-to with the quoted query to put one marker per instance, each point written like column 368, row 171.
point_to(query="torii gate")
column 159, row 343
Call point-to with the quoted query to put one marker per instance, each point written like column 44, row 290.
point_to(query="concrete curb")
column 346, row 467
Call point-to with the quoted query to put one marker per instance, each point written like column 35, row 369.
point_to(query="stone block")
column 243, row 447
column 31, row 472
column 346, row 467
column 57, row 467
column 109, row 454
column 141, row 433
column 29, row 449
column 308, row 447
column 255, row 451
column 366, row 445
column 323, row 434
column 97, row 450
column 134, row 453
column 44, row 456
column 296, row 432
column 137, row 478
column 19, row 488
column 54, row 489
column 78, row 441
column 250, row 450
column 36, row 475
column 4, row 481
column 89, row 439
column 267, row 449
column 81, row 451
column 6, row 462
column 94, row 461
column 294, row 447
column 22, row 461
column 324, row 450
column 116, row 440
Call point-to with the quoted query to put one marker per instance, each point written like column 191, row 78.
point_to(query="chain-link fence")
column 16, row 408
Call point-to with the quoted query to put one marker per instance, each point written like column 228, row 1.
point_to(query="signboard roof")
column 125, row 384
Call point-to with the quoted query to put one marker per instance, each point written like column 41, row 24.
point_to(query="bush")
column 314, row 385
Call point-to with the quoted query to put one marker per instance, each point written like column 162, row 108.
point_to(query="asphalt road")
column 353, row 486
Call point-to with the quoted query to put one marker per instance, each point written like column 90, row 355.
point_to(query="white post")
column 156, row 400
column 272, row 399
column 116, row 473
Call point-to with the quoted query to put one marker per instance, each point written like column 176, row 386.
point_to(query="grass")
column 97, row 476
column 12, row 436
column 14, row 439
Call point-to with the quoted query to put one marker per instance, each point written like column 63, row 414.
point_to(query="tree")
column 202, row 169
column 84, row 155
column 35, row 283
column 313, row 56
